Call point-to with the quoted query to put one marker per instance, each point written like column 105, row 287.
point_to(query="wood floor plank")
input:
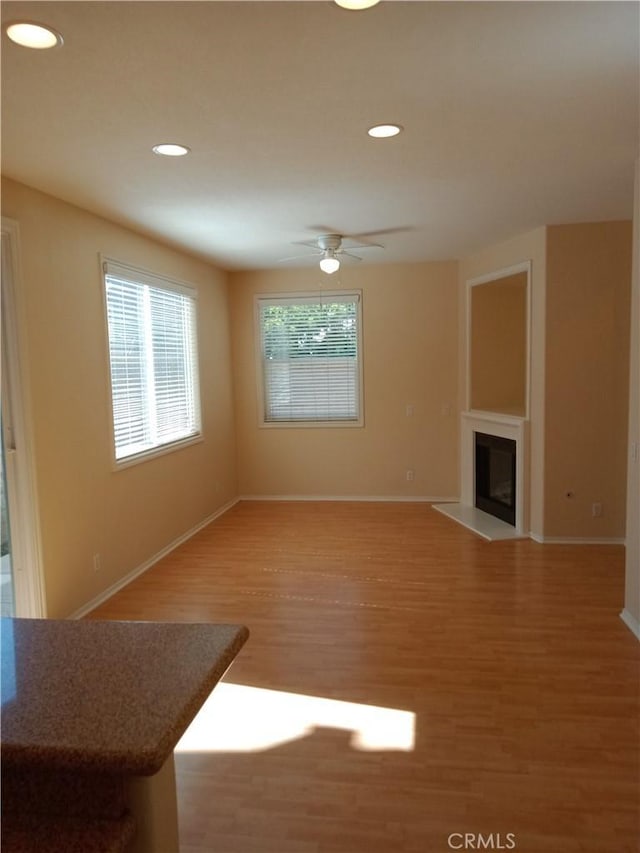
column 523, row 680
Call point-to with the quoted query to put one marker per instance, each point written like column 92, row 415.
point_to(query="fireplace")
column 495, row 476
column 506, row 489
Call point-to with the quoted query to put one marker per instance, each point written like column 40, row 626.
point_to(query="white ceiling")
column 516, row 114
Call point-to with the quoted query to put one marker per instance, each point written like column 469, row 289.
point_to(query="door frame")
column 26, row 553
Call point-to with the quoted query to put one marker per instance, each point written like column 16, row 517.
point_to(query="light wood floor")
column 512, row 656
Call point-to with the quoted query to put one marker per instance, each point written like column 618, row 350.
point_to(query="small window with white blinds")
column 153, row 355
column 311, row 359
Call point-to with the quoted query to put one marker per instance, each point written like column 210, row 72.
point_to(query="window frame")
column 307, row 296
column 157, row 280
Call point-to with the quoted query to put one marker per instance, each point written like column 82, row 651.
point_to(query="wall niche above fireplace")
column 498, row 342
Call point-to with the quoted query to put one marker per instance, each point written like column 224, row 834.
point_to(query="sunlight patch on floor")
column 239, row 718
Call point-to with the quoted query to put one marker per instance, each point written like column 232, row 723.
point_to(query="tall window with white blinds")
column 153, row 354
column 311, row 359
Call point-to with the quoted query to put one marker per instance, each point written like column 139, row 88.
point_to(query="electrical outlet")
column 410, row 476
column 409, row 410
column 96, row 562
column 596, row 510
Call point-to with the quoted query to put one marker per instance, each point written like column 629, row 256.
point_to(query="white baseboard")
column 118, row 585
column 355, row 498
column 576, row 540
column 631, row 622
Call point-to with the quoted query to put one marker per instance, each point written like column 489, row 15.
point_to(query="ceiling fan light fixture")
column 170, row 149
column 384, row 131
column 35, row 36
column 356, row 4
column 329, row 264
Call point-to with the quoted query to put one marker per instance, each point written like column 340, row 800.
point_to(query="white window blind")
column 154, row 360
column 310, row 350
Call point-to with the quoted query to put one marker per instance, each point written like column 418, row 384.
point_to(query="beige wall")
column 498, row 341
column 587, row 364
column 632, row 578
column 579, row 367
column 129, row 515
column 414, row 354
column 410, row 358
column 530, row 246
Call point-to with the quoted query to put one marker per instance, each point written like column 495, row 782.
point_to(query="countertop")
column 106, row 697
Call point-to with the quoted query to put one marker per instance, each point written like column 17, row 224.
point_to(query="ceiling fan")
column 330, row 248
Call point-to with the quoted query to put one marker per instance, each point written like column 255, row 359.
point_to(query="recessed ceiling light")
column 382, row 131
column 356, row 4
column 171, row 149
column 30, row 34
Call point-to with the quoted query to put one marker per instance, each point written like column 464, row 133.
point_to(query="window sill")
column 154, row 453
column 311, row 424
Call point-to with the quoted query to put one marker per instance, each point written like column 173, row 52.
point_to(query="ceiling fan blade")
column 343, row 254
column 353, row 244
column 350, row 241
column 382, row 231
column 359, row 235
column 310, row 256
column 313, row 244
column 322, row 229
